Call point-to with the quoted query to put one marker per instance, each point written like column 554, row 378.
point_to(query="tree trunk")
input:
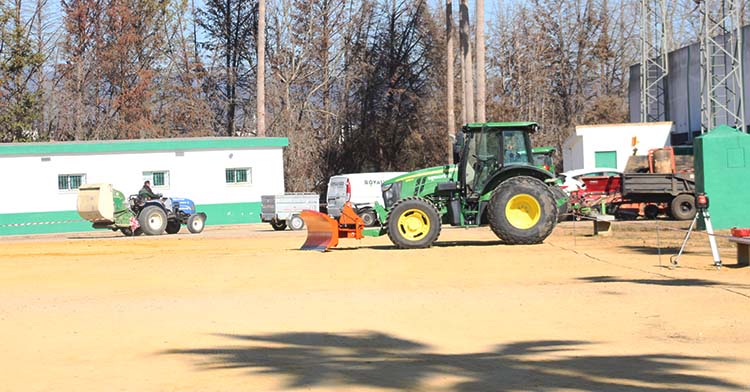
column 449, row 76
column 468, row 81
column 261, row 70
column 481, row 82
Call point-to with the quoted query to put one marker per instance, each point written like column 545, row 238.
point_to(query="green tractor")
column 494, row 183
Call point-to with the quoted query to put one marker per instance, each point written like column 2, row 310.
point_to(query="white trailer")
column 283, row 210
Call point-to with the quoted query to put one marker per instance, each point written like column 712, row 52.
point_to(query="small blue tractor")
column 107, row 208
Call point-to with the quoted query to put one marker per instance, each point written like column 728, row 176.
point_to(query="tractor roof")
column 524, row 125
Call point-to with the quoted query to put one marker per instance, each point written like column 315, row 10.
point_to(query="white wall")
column 30, row 185
column 573, row 153
column 618, row 137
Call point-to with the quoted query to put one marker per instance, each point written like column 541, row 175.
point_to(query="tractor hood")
column 417, row 183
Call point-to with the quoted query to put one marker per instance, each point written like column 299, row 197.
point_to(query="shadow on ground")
column 662, row 282
column 665, row 250
column 311, row 359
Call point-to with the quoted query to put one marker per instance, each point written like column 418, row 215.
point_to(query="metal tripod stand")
column 702, row 206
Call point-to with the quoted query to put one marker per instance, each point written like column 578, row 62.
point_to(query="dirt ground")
column 241, row 309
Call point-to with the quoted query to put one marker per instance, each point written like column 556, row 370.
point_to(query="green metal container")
column 722, row 171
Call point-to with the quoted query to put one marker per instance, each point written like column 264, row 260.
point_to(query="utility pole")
column 721, row 64
column 654, row 60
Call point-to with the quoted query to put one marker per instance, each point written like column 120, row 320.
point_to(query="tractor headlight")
column 391, row 193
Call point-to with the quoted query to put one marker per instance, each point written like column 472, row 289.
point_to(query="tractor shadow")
column 378, row 360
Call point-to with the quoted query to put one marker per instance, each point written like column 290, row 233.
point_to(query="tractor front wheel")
column 153, row 220
column 196, row 223
column 413, row 223
column 522, row 210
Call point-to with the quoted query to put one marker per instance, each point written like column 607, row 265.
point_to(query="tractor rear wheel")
column 562, row 210
column 173, row 226
column 682, row 207
column 522, row 210
column 153, row 220
column 413, row 223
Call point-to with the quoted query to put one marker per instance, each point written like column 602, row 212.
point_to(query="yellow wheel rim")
column 523, row 211
column 413, row 224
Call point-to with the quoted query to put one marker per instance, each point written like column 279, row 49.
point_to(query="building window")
column 159, row 179
column 70, row 182
column 239, row 176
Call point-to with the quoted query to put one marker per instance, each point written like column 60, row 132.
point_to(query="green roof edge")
column 144, row 145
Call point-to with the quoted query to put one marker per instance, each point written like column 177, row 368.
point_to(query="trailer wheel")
column 278, row 225
column 651, row 211
column 682, row 207
column 173, row 226
column 522, row 210
column 413, row 223
column 127, row 232
column 368, row 217
column 153, row 220
column 196, row 223
column 296, row 223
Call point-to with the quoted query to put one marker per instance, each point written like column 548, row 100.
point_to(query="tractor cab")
column 490, row 148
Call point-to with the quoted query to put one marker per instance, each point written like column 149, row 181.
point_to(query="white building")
column 225, row 177
column 610, row 145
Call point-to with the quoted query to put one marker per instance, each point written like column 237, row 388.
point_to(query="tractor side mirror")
column 458, row 146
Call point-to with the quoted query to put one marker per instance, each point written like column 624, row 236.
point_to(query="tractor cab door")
column 481, row 158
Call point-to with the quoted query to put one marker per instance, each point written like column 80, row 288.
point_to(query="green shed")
column 722, row 171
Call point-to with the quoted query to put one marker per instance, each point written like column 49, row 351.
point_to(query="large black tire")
column 682, row 207
column 173, row 226
column 153, row 220
column 522, row 210
column 413, row 223
column 564, row 209
column 296, row 223
column 196, row 223
column 278, row 225
column 369, row 217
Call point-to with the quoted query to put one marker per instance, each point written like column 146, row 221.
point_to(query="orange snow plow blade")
column 323, row 232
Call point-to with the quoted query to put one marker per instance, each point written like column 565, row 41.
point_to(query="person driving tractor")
column 146, row 193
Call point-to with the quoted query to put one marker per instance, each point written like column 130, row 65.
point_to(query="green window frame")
column 241, row 175
column 158, row 178
column 70, row 182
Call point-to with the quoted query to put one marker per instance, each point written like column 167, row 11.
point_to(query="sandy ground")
column 240, row 308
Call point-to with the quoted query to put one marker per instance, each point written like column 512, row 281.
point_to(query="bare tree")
column 466, row 63
column 449, row 77
column 481, row 80
column 260, row 89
